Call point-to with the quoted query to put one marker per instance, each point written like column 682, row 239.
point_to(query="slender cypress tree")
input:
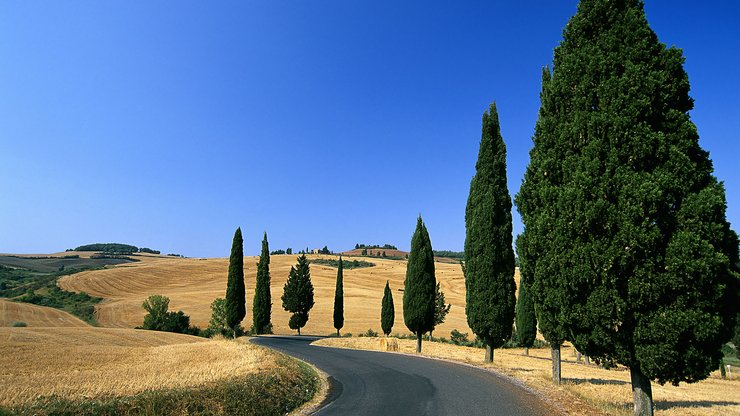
column 526, row 322
column 339, row 298
column 298, row 294
column 636, row 217
column 235, row 292
column 489, row 258
column 387, row 312
column 262, row 305
column 418, row 294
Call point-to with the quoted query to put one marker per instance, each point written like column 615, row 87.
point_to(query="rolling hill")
column 36, row 316
column 192, row 284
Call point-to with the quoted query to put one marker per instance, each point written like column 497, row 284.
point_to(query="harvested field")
column 586, row 390
column 192, row 284
column 85, row 363
column 36, row 316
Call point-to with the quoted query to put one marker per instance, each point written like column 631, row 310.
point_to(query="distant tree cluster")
column 384, row 246
column 148, row 250
column 281, row 251
column 116, row 248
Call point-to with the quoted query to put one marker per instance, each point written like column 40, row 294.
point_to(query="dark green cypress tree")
column 262, row 305
column 387, row 311
column 636, row 217
column 535, row 194
column 235, row 292
column 339, row 298
column 298, row 294
column 489, row 257
column 418, row 294
column 526, row 322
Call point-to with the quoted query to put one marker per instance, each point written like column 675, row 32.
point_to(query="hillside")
column 36, row 316
column 85, row 363
column 192, row 284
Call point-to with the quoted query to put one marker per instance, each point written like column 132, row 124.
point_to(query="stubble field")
column 36, row 316
column 84, row 363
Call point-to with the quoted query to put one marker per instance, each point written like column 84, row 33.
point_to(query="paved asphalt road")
column 377, row 383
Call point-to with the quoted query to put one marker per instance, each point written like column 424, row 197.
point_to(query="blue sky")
column 169, row 124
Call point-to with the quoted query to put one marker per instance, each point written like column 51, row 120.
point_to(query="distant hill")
column 376, row 252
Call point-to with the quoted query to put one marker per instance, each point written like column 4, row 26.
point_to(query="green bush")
column 458, row 338
column 369, row 333
column 159, row 318
column 19, row 324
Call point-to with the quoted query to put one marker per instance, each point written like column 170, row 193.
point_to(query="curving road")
column 377, row 383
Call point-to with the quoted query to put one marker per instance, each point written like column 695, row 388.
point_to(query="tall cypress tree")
column 261, row 307
column 339, row 298
column 418, row 294
column 298, row 294
column 637, row 219
column 387, row 311
column 526, row 322
column 236, row 307
column 489, row 258
column 535, row 195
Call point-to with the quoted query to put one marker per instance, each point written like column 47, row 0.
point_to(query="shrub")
column 159, row 318
column 458, row 338
column 19, row 324
column 369, row 333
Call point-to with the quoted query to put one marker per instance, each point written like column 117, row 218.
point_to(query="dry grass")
column 192, row 284
column 77, row 363
column 34, row 315
column 586, row 390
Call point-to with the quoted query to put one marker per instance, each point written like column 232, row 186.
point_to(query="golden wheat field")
column 36, row 316
column 192, row 284
column 586, row 390
column 102, row 362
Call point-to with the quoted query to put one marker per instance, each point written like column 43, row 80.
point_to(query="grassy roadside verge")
column 586, row 389
column 274, row 392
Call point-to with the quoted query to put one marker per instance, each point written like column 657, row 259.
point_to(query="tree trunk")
column 430, row 335
column 489, row 352
column 337, row 333
column 555, row 353
column 586, row 360
column 526, row 350
column 578, row 356
column 642, row 393
column 418, row 342
column 299, row 331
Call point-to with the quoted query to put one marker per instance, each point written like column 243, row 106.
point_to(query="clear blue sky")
column 169, row 124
